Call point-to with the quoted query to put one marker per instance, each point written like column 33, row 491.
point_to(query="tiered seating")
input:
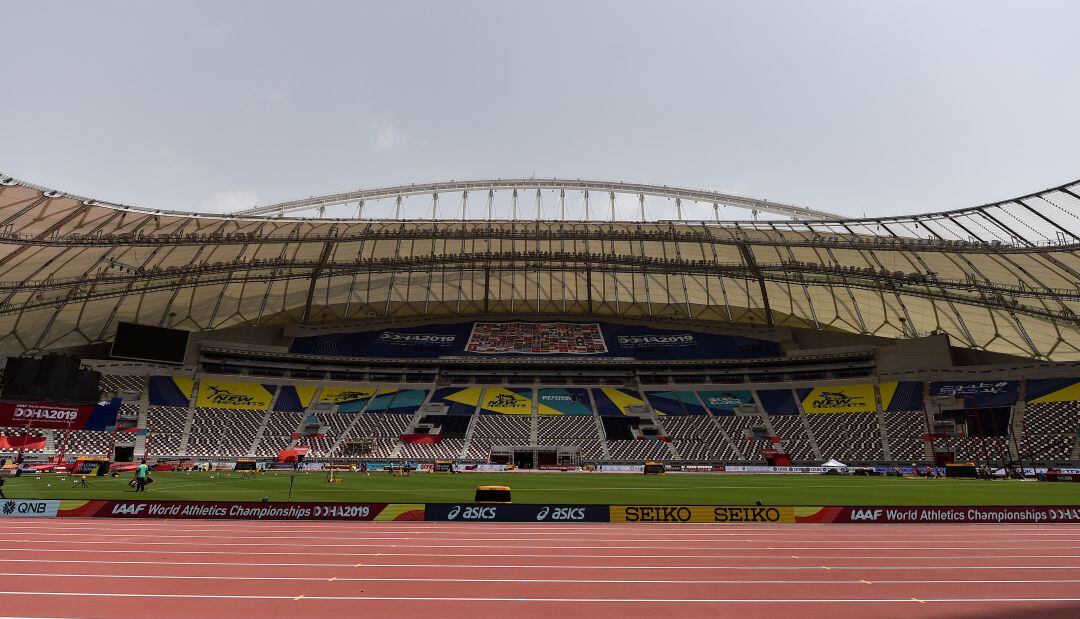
column 336, row 424
column 698, row 438
column 447, row 448
column 223, row 432
column 571, row 430
column 736, row 427
column 117, row 383
column 905, row 430
column 639, row 451
column 980, row 449
column 489, row 430
column 89, row 443
column 1050, row 430
column 166, row 425
column 278, row 435
column 847, row 436
column 793, row 437
column 382, row 429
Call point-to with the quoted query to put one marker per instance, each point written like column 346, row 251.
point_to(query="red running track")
column 96, row 568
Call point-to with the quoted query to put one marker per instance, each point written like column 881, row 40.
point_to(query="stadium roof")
column 1003, row 277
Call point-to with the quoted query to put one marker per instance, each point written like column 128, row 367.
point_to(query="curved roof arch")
column 1003, row 277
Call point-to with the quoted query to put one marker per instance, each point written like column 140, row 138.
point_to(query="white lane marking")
column 130, row 544
column 726, row 581
column 444, row 566
column 511, row 555
column 403, row 598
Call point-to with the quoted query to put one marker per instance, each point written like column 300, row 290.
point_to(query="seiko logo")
column 867, row 514
column 746, row 514
column 658, row 514
column 471, row 512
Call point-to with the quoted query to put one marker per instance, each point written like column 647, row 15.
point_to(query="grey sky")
column 846, row 106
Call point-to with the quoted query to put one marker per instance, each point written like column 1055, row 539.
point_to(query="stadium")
column 601, row 351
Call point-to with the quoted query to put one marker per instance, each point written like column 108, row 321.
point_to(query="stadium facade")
column 506, row 315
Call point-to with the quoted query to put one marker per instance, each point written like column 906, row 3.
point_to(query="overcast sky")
column 882, row 107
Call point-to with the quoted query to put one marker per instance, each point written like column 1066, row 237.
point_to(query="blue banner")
column 486, row 339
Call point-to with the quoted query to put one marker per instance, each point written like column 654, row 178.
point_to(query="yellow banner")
column 703, row 513
column 339, row 395
column 622, row 400
column 841, row 399
column 502, row 400
column 1070, row 393
column 236, row 396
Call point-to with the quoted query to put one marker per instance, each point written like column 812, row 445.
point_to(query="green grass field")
column 563, row 488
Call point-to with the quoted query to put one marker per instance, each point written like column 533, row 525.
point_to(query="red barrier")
column 22, row 442
column 236, row 510
column 945, row 515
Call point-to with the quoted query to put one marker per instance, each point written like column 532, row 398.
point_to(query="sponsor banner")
column 944, row 515
column 780, row 470
column 674, row 403
column 28, row 508
column 170, row 391
column 615, row 401
column 235, row 396
column 507, row 401
column 778, row 401
column 1052, row 390
column 236, row 510
column 724, row 402
column 535, row 338
column 620, row 468
column 649, row 343
column 839, row 399
column 398, row 401
column 481, row 468
column 347, row 399
column 558, row 401
column 703, row 513
column 978, row 393
column 464, row 512
column 294, row 398
column 905, row 395
column 59, row 416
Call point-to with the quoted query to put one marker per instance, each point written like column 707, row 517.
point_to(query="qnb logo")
column 9, row 507
column 561, row 513
column 867, row 514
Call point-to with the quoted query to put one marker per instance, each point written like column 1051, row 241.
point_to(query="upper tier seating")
column 1049, row 431
column 223, row 432
column 793, row 437
column 639, row 450
column 905, row 430
column 111, row 383
column 698, row 438
column 854, row 437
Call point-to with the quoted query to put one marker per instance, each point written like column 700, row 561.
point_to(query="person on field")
column 141, row 473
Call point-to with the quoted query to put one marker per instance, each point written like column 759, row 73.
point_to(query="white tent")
column 834, row 464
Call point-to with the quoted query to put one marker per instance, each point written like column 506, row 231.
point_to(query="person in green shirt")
column 141, row 474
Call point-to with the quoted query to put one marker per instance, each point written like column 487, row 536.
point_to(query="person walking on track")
column 141, row 473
